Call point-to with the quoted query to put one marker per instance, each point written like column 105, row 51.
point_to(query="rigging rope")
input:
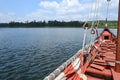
column 107, row 14
column 97, row 10
column 84, row 39
column 95, row 22
column 92, row 17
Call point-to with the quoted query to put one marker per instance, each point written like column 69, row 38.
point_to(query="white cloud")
column 65, row 6
column 11, row 14
column 7, row 17
column 65, row 10
column 1, row 14
column 49, row 5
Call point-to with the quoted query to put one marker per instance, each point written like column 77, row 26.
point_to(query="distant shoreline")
column 54, row 27
column 53, row 24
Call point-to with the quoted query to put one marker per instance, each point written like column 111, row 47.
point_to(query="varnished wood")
column 117, row 67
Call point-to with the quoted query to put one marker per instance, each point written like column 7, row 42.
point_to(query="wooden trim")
column 117, row 66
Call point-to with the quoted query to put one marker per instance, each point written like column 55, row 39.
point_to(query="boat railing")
column 56, row 72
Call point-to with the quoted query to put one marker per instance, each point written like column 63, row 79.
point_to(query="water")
column 33, row 53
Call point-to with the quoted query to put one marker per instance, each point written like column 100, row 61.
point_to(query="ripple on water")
column 33, row 53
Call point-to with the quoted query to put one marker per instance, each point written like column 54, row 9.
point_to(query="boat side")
column 71, row 65
column 97, row 58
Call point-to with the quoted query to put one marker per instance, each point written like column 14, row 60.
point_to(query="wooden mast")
column 117, row 67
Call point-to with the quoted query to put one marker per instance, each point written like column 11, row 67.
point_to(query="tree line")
column 34, row 23
column 55, row 23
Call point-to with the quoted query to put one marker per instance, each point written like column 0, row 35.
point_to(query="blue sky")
column 67, row 10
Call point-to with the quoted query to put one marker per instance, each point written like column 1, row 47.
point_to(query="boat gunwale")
column 57, row 71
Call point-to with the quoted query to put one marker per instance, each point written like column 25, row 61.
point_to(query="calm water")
column 32, row 53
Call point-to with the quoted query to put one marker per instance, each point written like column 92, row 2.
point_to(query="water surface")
column 32, row 53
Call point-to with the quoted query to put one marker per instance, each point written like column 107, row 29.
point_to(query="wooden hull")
column 97, row 62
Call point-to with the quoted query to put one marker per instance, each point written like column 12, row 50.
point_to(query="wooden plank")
column 97, row 67
column 93, row 78
column 109, row 59
column 111, row 53
column 102, row 64
column 111, row 64
column 98, row 60
column 105, row 72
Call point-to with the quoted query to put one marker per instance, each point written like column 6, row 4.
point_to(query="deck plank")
column 101, row 68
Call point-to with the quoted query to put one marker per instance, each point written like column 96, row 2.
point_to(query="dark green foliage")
column 4, row 24
column 34, row 23
column 111, row 24
column 55, row 23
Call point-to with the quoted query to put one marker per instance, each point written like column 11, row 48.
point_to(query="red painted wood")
column 117, row 68
column 97, row 67
column 116, row 76
column 105, row 72
column 93, row 78
column 105, row 60
column 100, row 61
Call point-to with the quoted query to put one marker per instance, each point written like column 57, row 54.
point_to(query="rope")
column 94, row 15
column 84, row 39
column 94, row 18
column 97, row 9
column 90, row 13
column 107, row 13
column 97, row 21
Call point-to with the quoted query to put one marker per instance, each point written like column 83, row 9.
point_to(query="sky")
column 62, row 10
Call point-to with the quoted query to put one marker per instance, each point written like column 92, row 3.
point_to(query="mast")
column 117, row 65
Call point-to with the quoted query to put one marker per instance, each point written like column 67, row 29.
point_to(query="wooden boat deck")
column 103, row 62
column 98, row 63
